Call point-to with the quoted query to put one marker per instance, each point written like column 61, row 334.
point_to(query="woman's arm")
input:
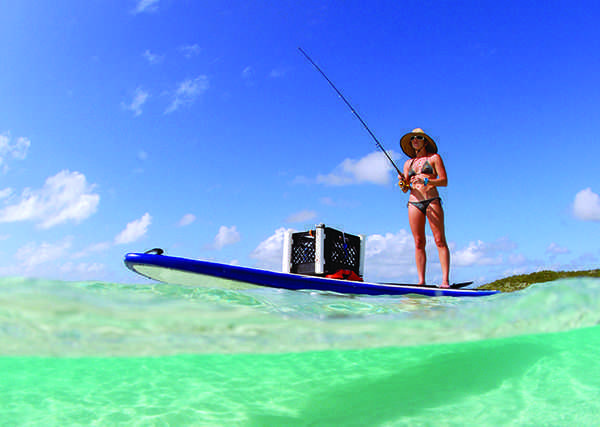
column 442, row 178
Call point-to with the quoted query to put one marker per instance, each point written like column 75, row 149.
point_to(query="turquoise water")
column 113, row 354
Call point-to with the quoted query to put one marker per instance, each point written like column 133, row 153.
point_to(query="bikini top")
column 426, row 169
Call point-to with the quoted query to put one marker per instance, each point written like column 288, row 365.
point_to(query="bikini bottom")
column 424, row 204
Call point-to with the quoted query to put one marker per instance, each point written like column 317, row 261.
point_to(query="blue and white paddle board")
column 191, row 272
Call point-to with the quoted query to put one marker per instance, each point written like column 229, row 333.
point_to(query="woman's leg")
column 416, row 219
column 435, row 215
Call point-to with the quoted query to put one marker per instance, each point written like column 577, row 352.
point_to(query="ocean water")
column 92, row 353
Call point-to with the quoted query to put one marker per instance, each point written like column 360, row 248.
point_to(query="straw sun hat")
column 407, row 146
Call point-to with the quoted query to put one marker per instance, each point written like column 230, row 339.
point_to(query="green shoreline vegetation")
column 518, row 282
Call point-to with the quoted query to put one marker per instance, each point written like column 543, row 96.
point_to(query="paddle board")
column 191, row 272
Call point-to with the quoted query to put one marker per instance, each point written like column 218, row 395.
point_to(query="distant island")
column 521, row 281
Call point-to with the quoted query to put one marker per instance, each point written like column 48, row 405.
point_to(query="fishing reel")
column 405, row 186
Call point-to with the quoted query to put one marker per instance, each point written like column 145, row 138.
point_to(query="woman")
column 423, row 173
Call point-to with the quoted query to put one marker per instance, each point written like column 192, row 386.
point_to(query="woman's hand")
column 420, row 179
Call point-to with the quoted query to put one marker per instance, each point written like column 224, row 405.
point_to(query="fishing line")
column 353, row 111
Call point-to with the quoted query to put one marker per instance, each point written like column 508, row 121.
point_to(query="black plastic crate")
column 324, row 251
column 303, row 254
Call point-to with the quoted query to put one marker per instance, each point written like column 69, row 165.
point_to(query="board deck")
column 452, row 286
column 190, row 272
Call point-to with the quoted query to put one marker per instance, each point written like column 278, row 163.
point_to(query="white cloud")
column 390, row 255
column 187, row 92
column 585, row 260
column 139, row 99
column 134, row 230
column 190, row 50
column 481, row 253
column 152, row 58
column 586, row 206
column 146, row 6
column 373, row 168
column 302, row 180
column 226, row 236
column 270, row 251
column 277, row 73
column 7, row 192
column 328, row 201
column 301, row 216
column 83, row 268
column 390, row 245
column 12, row 149
column 247, row 73
column 341, row 203
column 33, row 254
column 97, row 247
column 555, row 249
column 64, row 197
column 187, row 219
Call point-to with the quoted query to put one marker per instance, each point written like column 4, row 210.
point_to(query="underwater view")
column 93, row 353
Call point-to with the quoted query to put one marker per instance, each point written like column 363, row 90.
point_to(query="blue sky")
column 198, row 127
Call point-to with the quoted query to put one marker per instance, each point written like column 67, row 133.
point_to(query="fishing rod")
column 353, row 111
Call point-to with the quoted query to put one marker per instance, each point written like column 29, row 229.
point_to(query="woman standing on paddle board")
column 423, row 173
